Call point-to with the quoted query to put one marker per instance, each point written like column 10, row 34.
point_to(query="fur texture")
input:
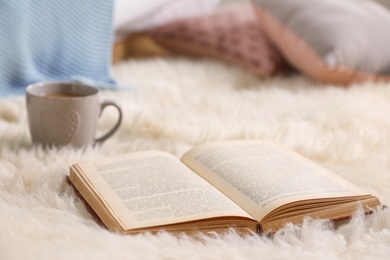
column 180, row 103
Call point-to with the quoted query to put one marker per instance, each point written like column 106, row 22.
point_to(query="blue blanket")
column 54, row 40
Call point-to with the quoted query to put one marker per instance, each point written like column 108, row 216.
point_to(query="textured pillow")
column 334, row 41
column 230, row 35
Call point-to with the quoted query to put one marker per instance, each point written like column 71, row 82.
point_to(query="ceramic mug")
column 66, row 113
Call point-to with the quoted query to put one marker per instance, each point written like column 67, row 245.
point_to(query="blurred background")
column 383, row 2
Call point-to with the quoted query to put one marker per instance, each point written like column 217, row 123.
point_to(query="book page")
column 154, row 188
column 260, row 176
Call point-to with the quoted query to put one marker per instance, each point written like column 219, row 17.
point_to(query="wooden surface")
column 137, row 45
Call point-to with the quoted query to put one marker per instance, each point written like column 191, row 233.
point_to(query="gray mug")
column 66, row 113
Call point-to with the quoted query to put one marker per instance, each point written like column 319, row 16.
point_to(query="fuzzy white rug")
column 180, row 103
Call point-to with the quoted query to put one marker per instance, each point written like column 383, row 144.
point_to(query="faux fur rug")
column 172, row 105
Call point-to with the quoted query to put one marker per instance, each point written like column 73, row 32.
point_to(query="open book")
column 247, row 185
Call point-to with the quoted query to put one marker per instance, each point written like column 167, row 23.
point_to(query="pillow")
column 129, row 12
column 55, row 40
column 334, row 41
column 229, row 34
column 135, row 16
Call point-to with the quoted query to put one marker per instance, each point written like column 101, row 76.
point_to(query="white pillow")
column 129, row 11
column 131, row 15
column 334, row 41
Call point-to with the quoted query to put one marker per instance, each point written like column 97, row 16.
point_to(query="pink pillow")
column 231, row 35
column 333, row 41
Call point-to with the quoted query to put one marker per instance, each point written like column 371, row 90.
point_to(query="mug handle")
column 103, row 105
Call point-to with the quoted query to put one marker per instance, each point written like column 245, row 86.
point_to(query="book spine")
column 259, row 229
